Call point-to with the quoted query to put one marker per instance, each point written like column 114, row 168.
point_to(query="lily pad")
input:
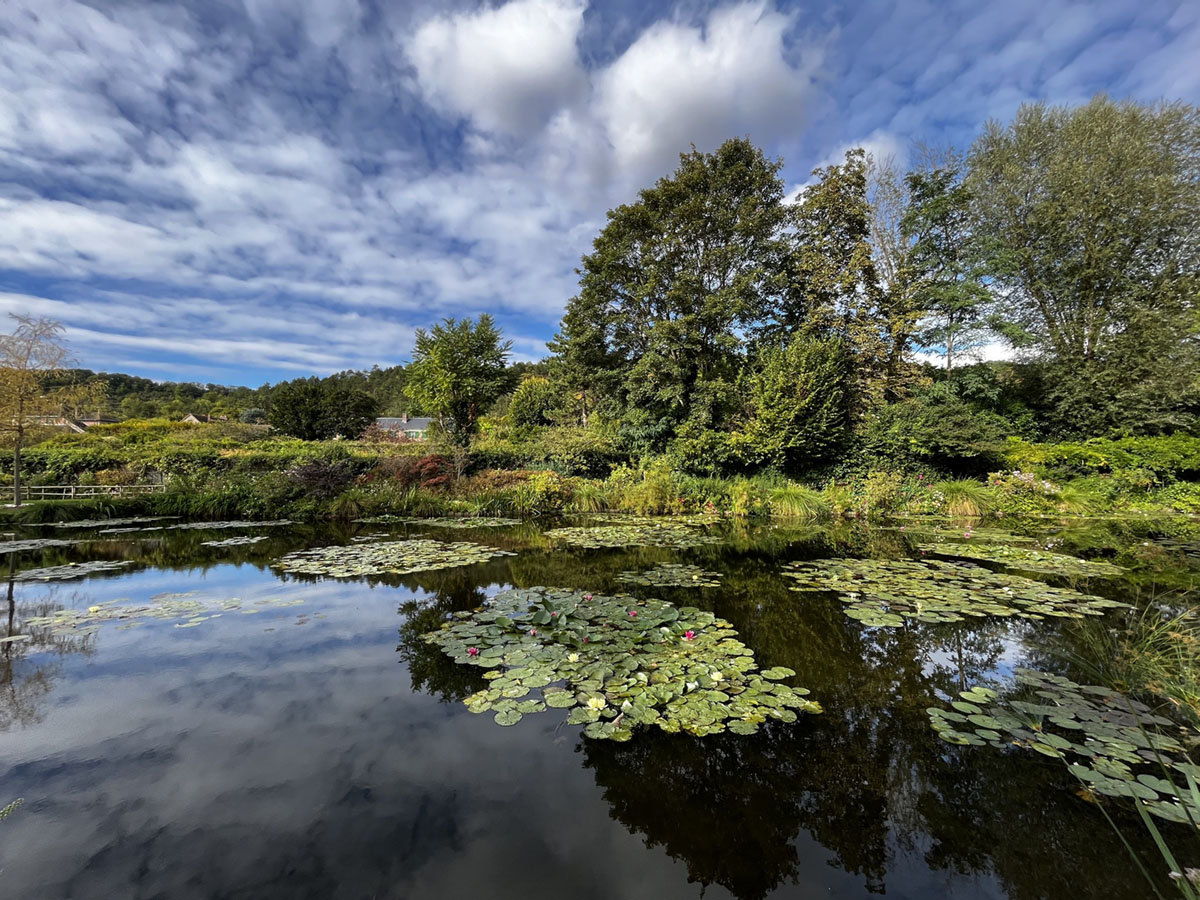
column 672, row 575
column 618, row 663
column 1113, row 744
column 71, row 570
column 658, row 534
column 234, row 541
column 33, row 544
column 187, row 610
column 884, row 592
column 386, row 557
column 440, row 521
column 1027, row 559
column 128, row 520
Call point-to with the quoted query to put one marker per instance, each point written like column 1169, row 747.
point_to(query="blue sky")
column 243, row 191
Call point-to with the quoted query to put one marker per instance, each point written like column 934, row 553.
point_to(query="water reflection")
column 280, row 756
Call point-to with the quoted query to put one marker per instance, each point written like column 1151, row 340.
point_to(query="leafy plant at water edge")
column 625, row 662
column 965, row 497
column 386, row 557
column 886, row 592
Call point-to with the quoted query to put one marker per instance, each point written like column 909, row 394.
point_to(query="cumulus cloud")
column 680, row 84
column 270, row 188
column 507, row 68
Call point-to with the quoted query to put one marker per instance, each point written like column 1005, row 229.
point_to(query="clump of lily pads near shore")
column 1114, row 745
column 617, row 663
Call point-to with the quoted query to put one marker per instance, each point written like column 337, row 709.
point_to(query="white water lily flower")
column 596, row 703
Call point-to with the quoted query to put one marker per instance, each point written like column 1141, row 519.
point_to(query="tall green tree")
column 457, row 373
column 834, row 288
column 670, row 284
column 945, row 279
column 313, row 409
column 800, row 403
column 1089, row 222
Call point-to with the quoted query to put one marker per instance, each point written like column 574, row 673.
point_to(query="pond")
column 204, row 712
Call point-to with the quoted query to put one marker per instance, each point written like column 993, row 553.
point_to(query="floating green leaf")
column 884, row 592
column 658, row 534
column 386, row 557
column 617, row 662
column 234, row 541
column 188, row 609
column 440, row 521
column 672, row 575
column 99, row 523
column 1026, row 558
column 71, row 570
column 33, row 544
column 1117, row 746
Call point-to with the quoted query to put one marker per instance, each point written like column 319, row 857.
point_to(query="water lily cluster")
column 884, row 592
column 646, row 534
column 1114, row 745
column 1026, row 558
column 386, row 557
column 672, row 575
column 617, row 663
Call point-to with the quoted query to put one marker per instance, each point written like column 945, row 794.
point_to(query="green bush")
column 1175, row 457
column 939, row 429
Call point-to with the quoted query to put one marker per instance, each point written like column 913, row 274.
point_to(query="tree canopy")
column 457, row 373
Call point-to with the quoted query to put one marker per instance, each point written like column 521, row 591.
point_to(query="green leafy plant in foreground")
column 616, row 662
column 1113, row 744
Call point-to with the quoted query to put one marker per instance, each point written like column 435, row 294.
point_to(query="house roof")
column 397, row 423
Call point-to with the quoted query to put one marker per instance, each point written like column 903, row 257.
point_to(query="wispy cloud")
column 276, row 188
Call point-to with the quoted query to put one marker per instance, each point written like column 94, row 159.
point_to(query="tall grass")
column 965, row 497
column 794, row 501
column 1156, row 654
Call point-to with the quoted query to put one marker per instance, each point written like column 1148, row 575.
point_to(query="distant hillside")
column 130, row 396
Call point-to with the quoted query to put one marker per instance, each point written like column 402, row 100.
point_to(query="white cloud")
column 507, row 68
column 680, row 84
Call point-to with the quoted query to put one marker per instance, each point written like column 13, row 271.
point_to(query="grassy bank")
column 241, row 471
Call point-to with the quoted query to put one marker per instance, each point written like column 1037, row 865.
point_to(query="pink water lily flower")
column 633, row 614
column 533, row 631
column 472, row 651
column 553, row 614
column 688, row 635
column 587, row 596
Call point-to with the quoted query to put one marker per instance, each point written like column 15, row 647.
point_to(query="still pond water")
column 319, row 748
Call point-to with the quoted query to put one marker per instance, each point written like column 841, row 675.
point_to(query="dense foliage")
column 457, row 373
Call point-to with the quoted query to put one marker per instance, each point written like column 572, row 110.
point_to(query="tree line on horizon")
column 729, row 326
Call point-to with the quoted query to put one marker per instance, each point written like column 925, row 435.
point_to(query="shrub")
column 939, row 429
column 425, row 472
column 533, row 402
column 253, row 416
column 321, row 479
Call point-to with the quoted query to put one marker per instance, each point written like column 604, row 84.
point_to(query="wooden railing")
column 78, row 491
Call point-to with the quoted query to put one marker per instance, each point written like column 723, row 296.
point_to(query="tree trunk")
column 17, row 472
